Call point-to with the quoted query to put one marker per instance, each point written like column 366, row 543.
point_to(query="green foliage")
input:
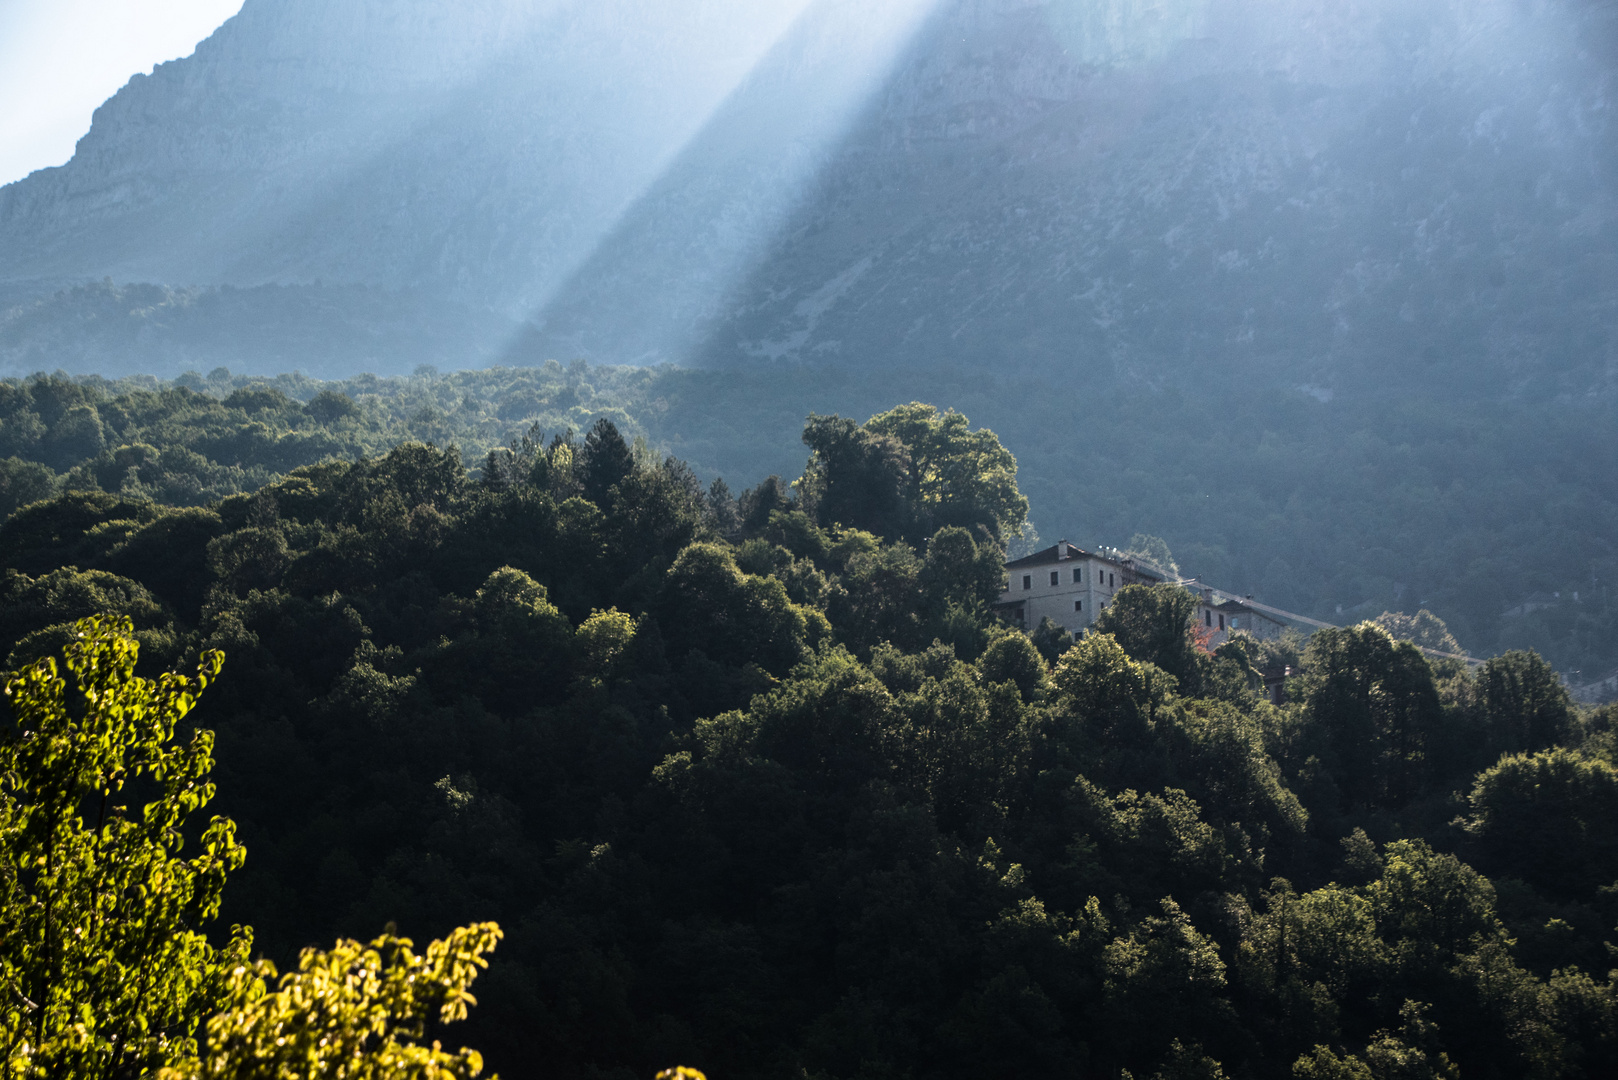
column 1312, row 505
column 1378, row 725
column 1154, row 552
column 105, row 971
column 1547, row 818
column 1525, row 705
column 354, row 1010
column 1153, row 623
column 1423, row 628
column 23, row 482
column 753, row 786
column 909, row 472
column 1012, row 658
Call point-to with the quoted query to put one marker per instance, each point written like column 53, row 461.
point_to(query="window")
column 1078, row 605
column 1028, row 581
column 1207, row 618
column 1221, row 622
column 1078, row 576
column 1112, row 581
column 1056, row 577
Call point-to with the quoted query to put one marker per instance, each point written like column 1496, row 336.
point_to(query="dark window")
column 1078, row 605
column 1028, row 581
column 1056, row 577
column 1078, row 576
column 1221, row 622
column 1112, row 581
column 1207, row 618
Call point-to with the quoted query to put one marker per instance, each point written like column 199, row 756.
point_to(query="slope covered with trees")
column 756, row 782
column 1496, row 517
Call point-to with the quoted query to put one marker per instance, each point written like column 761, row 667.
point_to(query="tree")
column 1548, row 818
column 1375, row 712
column 329, row 407
column 23, row 482
column 1525, row 705
column 606, row 460
column 356, row 1010
column 958, row 571
column 104, row 970
column 1153, row 624
column 945, row 473
column 855, row 478
column 707, row 603
column 723, row 515
column 1423, row 628
column 1154, row 552
column 1012, row 658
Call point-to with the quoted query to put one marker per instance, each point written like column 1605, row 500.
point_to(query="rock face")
column 468, row 146
column 1385, row 193
column 1341, row 194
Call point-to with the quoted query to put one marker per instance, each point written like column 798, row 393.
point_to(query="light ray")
column 708, row 217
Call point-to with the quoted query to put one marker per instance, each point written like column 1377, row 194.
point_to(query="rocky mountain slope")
column 1343, row 196
column 1325, row 292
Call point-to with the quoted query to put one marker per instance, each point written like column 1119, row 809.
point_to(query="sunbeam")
column 690, row 236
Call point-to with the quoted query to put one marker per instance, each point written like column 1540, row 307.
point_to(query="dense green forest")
column 754, row 781
column 1495, row 516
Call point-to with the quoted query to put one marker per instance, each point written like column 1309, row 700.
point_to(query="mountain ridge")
column 1293, row 192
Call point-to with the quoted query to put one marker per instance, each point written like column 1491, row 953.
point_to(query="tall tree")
column 606, row 460
column 1375, row 712
column 1153, row 623
column 856, row 478
column 105, row 970
column 1525, row 705
column 944, row 472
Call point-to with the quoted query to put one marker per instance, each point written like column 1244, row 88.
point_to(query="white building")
column 1219, row 613
column 1071, row 586
column 1066, row 584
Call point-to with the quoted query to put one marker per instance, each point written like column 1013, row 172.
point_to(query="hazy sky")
column 59, row 59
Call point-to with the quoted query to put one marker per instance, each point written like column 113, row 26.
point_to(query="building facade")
column 1071, row 586
column 1067, row 585
column 1219, row 613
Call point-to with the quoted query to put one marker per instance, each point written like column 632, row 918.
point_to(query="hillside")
column 1391, row 199
column 759, row 783
column 1497, row 520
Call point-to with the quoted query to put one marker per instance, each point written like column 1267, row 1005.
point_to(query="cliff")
column 1337, row 195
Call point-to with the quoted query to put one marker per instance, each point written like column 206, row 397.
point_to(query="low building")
column 1219, row 613
column 1071, row 586
column 1067, row 585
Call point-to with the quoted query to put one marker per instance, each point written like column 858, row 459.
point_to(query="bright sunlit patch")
column 709, row 212
column 60, row 59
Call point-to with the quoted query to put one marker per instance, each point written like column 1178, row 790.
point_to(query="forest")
column 1495, row 516
column 753, row 780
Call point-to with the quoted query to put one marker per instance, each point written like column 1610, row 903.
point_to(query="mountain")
column 1323, row 292
column 395, row 143
column 1298, row 192
column 1344, row 196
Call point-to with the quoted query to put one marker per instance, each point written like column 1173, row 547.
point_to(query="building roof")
column 1065, row 551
